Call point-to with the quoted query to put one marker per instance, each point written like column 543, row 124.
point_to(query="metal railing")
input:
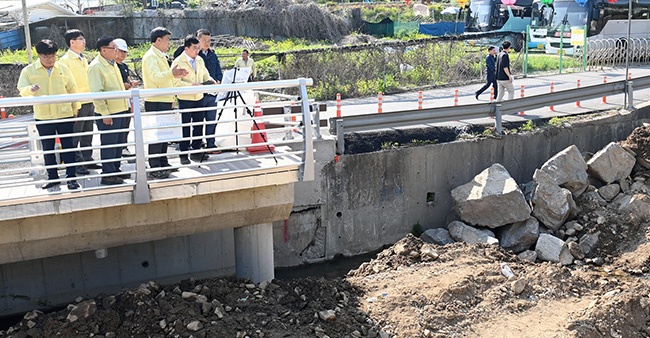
column 348, row 124
column 22, row 169
column 604, row 53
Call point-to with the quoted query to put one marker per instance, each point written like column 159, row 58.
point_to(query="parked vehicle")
column 493, row 21
column 603, row 20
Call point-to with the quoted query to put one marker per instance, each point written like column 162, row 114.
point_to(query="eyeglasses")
column 47, row 57
column 81, row 38
column 109, row 47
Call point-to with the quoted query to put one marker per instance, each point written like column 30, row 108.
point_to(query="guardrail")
column 341, row 125
column 22, row 169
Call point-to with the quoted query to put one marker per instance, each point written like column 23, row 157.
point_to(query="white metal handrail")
column 21, row 166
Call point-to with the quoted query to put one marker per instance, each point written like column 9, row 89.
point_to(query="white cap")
column 121, row 45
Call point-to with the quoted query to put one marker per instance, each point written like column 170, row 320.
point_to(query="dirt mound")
column 411, row 289
column 639, row 141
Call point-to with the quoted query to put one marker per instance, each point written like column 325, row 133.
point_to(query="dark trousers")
column 157, row 148
column 109, row 139
column 86, row 110
column 491, row 80
column 191, row 117
column 68, row 157
column 210, row 116
column 124, row 136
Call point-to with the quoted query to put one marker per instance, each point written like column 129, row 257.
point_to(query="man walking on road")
column 490, row 69
column 504, row 76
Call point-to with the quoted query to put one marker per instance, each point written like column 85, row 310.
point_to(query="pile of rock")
column 538, row 220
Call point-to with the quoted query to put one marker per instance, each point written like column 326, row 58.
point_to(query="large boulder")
column 637, row 205
column 569, row 170
column 492, row 199
column 468, row 234
column 552, row 249
column 437, row 236
column 519, row 236
column 552, row 205
column 611, row 164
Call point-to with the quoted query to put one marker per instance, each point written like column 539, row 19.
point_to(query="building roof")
column 38, row 10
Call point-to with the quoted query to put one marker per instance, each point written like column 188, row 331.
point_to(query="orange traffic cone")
column 259, row 137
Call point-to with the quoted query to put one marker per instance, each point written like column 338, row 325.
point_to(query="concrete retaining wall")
column 369, row 200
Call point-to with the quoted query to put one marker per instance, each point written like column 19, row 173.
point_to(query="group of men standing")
column 497, row 68
column 196, row 65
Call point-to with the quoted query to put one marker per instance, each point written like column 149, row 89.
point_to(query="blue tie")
column 193, row 63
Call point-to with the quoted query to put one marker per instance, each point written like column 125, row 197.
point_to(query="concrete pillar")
column 254, row 252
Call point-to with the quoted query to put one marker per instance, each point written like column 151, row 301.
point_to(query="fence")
column 22, row 169
column 613, row 52
column 357, row 123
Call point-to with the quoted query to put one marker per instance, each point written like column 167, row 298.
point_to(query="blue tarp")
column 13, row 39
column 442, row 28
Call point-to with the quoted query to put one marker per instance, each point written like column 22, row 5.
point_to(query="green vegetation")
column 423, row 142
column 545, row 62
column 488, row 132
column 362, row 70
column 389, row 145
column 528, row 126
column 557, row 121
column 417, row 230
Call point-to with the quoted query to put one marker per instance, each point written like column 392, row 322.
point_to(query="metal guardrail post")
column 35, row 153
column 308, row 157
column 141, row 193
column 497, row 119
column 630, row 95
column 316, row 108
column 288, row 135
column 340, row 137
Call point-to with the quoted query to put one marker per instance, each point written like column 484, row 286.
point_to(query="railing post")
column 288, row 135
column 316, row 108
column 497, row 119
column 141, row 193
column 35, row 153
column 308, row 157
column 340, row 139
column 630, row 95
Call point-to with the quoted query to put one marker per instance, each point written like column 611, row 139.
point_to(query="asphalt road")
column 533, row 85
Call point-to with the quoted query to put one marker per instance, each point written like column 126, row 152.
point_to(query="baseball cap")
column 121, row 45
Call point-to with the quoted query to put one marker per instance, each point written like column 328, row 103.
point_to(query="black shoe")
column 123, row 175
column 159, row 175
column 173, row 170
column 50, row 185
column 81, row 170
column 112, row 180
column 476, row 96
column 93, row 166
column 185, row 160
column 199, row 157
column 73, row 185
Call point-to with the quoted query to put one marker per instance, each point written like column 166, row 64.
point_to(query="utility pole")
column 28, row 39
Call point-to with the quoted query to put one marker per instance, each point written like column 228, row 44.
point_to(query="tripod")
column 231, row 97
